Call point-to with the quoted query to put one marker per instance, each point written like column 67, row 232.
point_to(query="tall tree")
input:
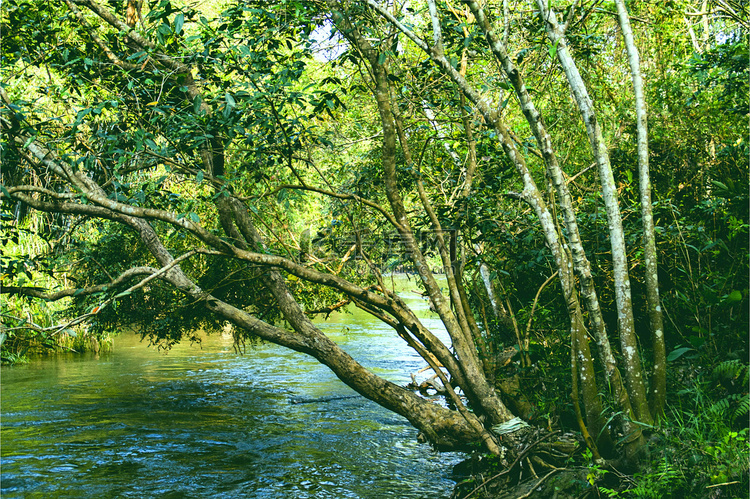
column 194, row 152
column 659, row 382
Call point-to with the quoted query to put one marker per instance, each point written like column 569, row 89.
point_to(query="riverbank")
column 699, row 449
column 20, row 344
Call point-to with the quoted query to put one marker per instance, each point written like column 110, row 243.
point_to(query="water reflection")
column 205, row 422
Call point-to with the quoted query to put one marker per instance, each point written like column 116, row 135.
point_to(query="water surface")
column 202, row 421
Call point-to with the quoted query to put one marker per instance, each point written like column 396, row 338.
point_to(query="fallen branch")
column 539, row 483
column 721, row 484
column 521, row 455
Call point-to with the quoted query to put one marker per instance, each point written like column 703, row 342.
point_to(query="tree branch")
column 92, row 33
column 37, row 292
column 337, row 195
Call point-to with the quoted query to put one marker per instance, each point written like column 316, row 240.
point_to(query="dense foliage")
column 176, row 168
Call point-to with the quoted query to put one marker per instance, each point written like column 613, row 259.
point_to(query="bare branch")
column 338, row 195
column 38, row 292
column 571, row 14
column 92, row 33
column 66, row 207
column 40, row 190
column 437, row 35
column 392, row 19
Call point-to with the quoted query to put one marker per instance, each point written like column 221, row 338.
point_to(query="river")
column 202, row 421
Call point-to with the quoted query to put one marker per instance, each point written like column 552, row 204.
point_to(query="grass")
column 28, row 327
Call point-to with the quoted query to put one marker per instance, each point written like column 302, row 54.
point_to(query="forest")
column 566, row 183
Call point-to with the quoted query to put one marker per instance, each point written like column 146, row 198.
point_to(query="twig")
column 510, row 468
column 533, row 309
column 337, row 195
column 528, row 494
column 330, row 309
column 571, row 179
column 721, row 484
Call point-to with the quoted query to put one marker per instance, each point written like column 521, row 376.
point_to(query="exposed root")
column 540, row 459
column 519, row 459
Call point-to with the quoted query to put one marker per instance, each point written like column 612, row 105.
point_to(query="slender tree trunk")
column 580, row 262
column 479, row 391
column 578, row 256
column 657, row 396
column 584, row 362
column 628, row 340
column 533, row 197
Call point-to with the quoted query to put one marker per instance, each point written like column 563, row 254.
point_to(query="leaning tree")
column 178, row 147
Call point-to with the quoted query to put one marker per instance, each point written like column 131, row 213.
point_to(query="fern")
column 722, row 406
column 743, row 407
column 656, row 483
column 733, row 371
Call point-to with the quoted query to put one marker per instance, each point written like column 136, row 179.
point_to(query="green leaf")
column 505, row 102
column 194, row 217
column 720, row 185
column 677, row 353
column 80, row 115
column 734, row 296
column 553, row 49
column 231, row 103
column 179, row 20
column 381, row 58
column 199, row 177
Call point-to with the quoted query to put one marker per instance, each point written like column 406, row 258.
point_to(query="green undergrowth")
column 30, row 329
column 701, row 446
column 700, row 449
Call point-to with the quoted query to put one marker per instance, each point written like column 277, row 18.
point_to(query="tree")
column 188, row 127
column 186, row 148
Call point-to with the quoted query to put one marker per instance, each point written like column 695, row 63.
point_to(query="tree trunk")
column 580, row 262
column 479, row 391
column 628, row 340
column 657, row 396
column 533, row 197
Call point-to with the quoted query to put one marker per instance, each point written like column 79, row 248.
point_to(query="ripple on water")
column 209, row 423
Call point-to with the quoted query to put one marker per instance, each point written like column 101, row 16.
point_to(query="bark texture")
column 628, row 340
column 658, row 388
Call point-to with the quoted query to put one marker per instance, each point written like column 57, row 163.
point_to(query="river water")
column 203, row 421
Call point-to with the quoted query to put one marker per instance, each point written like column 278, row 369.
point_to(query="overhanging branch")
column 41, row 293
